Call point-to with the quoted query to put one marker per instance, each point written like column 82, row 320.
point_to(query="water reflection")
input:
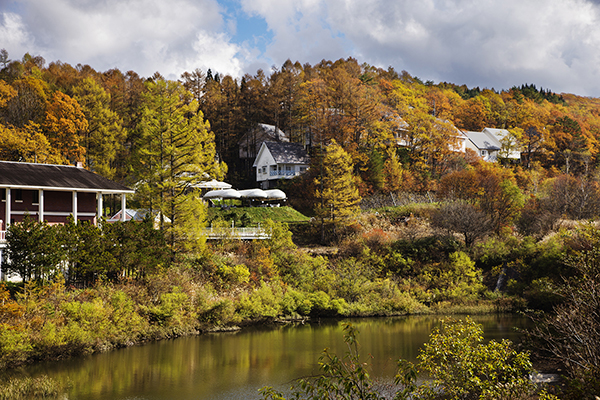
column 236, row 365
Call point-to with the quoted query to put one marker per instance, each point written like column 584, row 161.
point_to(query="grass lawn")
column 252, row 216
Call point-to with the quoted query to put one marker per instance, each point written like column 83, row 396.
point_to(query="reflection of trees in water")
column 209, row 364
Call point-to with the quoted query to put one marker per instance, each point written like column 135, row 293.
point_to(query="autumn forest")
column 402, row 222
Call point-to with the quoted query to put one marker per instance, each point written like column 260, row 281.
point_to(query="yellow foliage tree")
column 337, row 196
column 27, row 144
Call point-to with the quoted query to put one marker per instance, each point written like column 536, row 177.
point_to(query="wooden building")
column 52, row 193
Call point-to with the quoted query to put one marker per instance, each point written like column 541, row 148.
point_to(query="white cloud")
column 214, row 51
column 143, row 35
column 486, row 43
column 13, row 33
column 483, row 43
column 300, row 28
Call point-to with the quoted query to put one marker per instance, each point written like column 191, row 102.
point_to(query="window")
column 18, row 196
column 264, row 169
column 483, row 153
column 36, row 197
column 3, row 194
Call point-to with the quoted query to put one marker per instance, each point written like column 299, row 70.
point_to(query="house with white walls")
column 279, row 160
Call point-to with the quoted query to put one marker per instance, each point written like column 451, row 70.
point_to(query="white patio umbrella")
column 275, row 194
column 222, row 194
column 212, row 184
column 253, row 194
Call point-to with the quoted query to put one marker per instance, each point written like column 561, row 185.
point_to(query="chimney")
column 79, row 164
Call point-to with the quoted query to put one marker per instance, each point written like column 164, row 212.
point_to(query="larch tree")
column 337, row 196
column 174, row 151
column 392, row 171
column 104, row 135
column 64, row 125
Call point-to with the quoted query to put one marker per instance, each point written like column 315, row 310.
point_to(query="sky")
column 554, row 44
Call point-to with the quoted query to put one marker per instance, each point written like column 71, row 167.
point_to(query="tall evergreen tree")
column 175, row 151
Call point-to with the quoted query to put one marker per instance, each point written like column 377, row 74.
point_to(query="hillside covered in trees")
column 58, row 113
column 489, row 237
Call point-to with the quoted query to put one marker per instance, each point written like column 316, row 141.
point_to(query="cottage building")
column 279, row 161
column 488, row 144
column 52, row 193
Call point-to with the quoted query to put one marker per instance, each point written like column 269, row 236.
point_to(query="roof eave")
column 69, row 189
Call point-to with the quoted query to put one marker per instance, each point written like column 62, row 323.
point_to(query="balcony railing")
column 284, row 173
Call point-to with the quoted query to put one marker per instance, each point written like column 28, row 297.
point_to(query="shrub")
column 262, row 302
column 15, row 346
column 462, row 366
column 220, row 313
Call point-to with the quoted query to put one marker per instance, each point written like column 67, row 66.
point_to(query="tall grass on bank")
column 42, row 387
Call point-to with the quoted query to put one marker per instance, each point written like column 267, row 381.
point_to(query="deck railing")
column 236, row 233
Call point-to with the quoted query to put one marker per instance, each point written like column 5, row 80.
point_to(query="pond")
column 235, row 365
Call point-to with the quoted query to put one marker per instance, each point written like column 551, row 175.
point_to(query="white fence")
column 236, row 233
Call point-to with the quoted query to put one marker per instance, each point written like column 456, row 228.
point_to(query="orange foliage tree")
column 64, row 125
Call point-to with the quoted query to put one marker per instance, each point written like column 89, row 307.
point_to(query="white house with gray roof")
column 491, row 143
column 279, row 160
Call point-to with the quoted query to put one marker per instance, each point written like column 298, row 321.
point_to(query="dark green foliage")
column 86, row 253
column 138, row 248
column 532, row 92
column 375, row 170
column 34, row 250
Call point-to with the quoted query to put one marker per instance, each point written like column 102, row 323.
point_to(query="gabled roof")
column 287, row 153
column 264, row 132
column 483, row 141
column 498, row 133
column 18, row 175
